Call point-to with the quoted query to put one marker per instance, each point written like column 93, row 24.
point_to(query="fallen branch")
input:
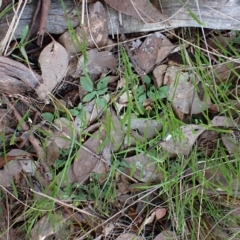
column 219, row 14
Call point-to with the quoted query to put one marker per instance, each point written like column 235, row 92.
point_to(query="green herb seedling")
column 101, row 89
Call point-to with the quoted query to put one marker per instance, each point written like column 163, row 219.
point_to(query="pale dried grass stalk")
column 4, row 44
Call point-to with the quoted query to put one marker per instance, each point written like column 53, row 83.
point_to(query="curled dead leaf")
column 140, row 9
column 166, row 235
column 94, row 32
column 98, row 62
column 160, row 213
column 16, row 78
column 129, row 236
column 54, row 62
column 184, row 143
column 154, row 50
column 145, row 171
column 87, row 160
column 183, row 93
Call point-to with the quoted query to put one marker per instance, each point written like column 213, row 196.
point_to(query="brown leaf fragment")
column 160, row 213
column 158, row 74
column 184, row 143
column 231, row 141
column 66, row 133
column 154, row 50
column 93, row 33
column 87, row 160
column 116, row 132
column 98, row 62
column 207, row 142
column 54, row 63
column 141, row 130
column 218, row 177
column 52, row 152
column 166, row 235
column 47, row 227
column 129, row 236
column 183, row 93
column 225, row 71
column 91, row 112
column 5, row 179
column 222, row 121
column 145, row 171
column 140, row 9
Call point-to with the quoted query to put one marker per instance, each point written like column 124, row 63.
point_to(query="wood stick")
column 221, row 14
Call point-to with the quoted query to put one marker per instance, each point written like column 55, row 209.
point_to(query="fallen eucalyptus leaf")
column 185, row 141
column 143, row 168
column 98, row 62
column 140, row 9
column 54, row 62
column 87, row 161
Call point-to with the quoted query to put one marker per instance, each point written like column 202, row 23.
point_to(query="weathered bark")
column 16, row 78
column 220, row 14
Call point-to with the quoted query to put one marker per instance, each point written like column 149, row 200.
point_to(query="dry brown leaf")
column 54, row 62
column 98, row 62
column 129, row 236
column 46, row 228
column 116, row 134
column 158, row 74
column 86, row 161
column 222, row 121
column 166, row 235
column 22, row 162
column 94, row 32
column 154, row 50
column 231, row 141
column 5, row 179
column 160, row 213
column 141, row 130
column 13, row 168
column 52, row 152
column 183, row 145
column 145, row 170
column 218, row 42
column 182, row 92
column 148, row 220
column 90, row 112
column 66, row 134
column 207, row 142
column 140, row 9
column 225, row 71
column 217, row 177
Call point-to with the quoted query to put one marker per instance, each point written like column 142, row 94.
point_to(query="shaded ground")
column 118, row 136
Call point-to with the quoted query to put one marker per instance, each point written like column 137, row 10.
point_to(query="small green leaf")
column 101, row 102
column 140, row 90
column 74, row 112
column 147, row 79
column 47, row 116
column 88, row 97
column 103, row 83
column 24, row 34
column 142, row 98
column 87, row 84
column 102, row 91
column 151, row 95
column 163, row 91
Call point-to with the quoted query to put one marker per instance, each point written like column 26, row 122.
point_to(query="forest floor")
column 132, row 135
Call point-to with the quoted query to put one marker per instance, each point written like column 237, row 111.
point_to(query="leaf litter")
column 113, row 153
